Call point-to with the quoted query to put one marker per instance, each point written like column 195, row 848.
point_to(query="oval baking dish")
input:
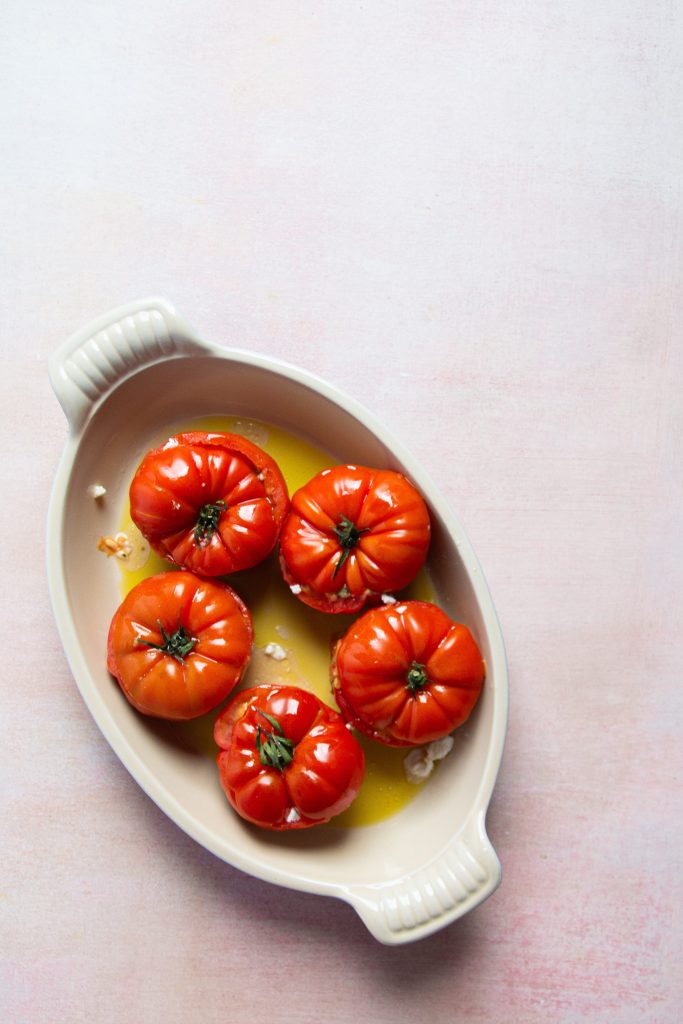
column 120, row 381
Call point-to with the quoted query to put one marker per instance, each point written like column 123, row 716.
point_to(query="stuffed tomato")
column 287, row 761
column 213, row 503
column 178, row 645
column 352, row 534
column 406, row 674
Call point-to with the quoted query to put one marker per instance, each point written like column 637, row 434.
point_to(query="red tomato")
column 406, row 674
column 353, row 533
column 213, row 503
column 179, row 644
column 287, row 760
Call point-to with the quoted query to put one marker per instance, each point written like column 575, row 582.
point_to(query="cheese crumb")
column 295, row 588
column 292, row 815
column 96, row 491
column 388, row 599
column 438, row 749
column 275, row 652
column 418, row 765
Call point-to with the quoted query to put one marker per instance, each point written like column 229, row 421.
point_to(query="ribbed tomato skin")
column 371, row 666
column 323, row 777
column 193, row 470
column 160, row 685
column 393, row 526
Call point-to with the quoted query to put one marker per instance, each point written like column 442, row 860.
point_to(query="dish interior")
column 135, row 417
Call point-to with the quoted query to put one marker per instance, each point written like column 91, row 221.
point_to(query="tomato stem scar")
column 416, row 677
column 276, row 751
column 349, row 535
column 178, row 645
column 207, row 522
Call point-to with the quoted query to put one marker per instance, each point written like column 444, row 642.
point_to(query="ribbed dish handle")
column 97, row 358
column 461, row 877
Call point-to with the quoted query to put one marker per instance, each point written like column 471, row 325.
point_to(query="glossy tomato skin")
column 197, row 471
column 213, row 648
column 406, row 674
column 320, row 781
column 387, row 529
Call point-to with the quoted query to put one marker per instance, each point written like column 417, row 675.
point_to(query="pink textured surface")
column 469, row 216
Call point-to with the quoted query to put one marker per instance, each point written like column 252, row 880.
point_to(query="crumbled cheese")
column 261, row 476
column 275, row 652
column 418, row 765
column 96, row 491
column 438, row 749
column 349, row 726
column 344, row 592
column 118, row 545
column 292, row 815
column 388, row 599
column 295, row 588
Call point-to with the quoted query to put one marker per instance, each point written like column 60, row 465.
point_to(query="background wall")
column 468, row 215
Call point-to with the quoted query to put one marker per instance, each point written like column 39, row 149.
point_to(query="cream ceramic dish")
column 120, row 381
